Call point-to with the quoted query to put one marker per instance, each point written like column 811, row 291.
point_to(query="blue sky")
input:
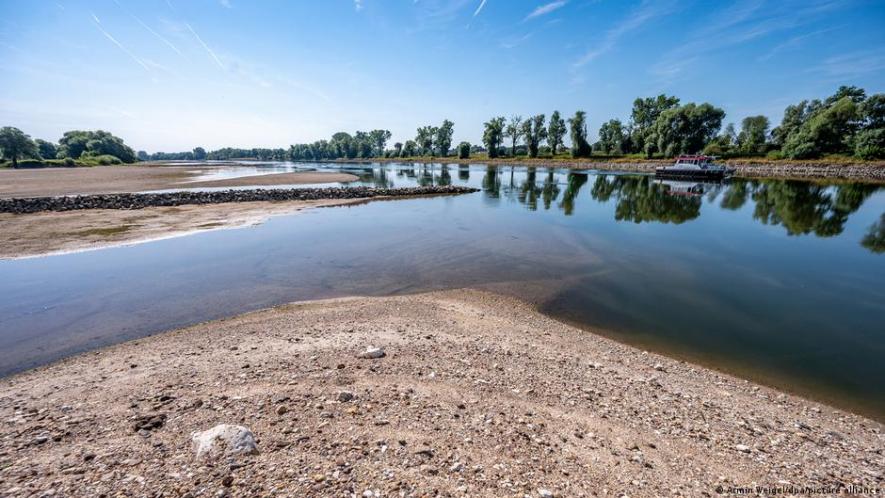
column 169, row 75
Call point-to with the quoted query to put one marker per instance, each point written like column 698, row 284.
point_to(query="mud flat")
column 475, row 394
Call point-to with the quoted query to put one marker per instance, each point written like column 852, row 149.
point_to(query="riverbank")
column 120, row 179
column 477, row 394
column 46, row 233
column 866, row 171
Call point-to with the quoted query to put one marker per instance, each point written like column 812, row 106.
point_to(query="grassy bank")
column 65, row 163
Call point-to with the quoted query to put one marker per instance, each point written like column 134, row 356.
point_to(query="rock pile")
column 139, row 201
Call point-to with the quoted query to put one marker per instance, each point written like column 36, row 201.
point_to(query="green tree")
column 830, row 129
column 514, row 131
column 443, row 138
column 612, row 136
column 342, row 145
column 684, row 130
column 493, row 135
column 379, row 139
column 555, row 132
column 199, row 154
column 15, row 144
column 874, row 239
column 754, row 135
column 464, row 150
column 398, row 149
column 645, row 113
column 410, row 148
column 578, row 134
column 534, row 132
column 78, row 143
column 47, row 150
column 424, row 139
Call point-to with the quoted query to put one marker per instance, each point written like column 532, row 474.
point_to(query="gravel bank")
column 474, row 394
column 23, row 205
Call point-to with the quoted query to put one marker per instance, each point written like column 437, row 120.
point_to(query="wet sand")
column 39, row 234
column 477, row 395
column 116, row 179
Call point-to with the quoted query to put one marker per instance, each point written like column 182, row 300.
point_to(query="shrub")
column 870, row 144
column 463, row 150
column 69, row 162
column 775, row 154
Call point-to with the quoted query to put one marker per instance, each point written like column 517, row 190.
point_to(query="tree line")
column 846, row 123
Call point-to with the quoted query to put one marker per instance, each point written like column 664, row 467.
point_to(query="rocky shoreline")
column 456, row 393
column 23, row 205
column 855, row 171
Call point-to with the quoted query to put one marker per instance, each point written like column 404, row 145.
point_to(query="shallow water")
column 778, row 281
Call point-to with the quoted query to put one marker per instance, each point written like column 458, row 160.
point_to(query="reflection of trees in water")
column 464, row 172
column 491, row 184
column 735, row 195
column 445, row 178
column 550, row 190
column 573, row 185
column 640, row 199
column 874, row 240
column 529, row 191
column 802, row 207
column 379, row 178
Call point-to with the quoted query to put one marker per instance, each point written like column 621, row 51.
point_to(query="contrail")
column 160, row 37
column 479, row 9
column 217, row 60
column 124, row 49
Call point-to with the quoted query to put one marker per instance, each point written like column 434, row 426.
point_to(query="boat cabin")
column 695, row 160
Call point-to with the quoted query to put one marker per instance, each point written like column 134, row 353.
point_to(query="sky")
column 170, row 75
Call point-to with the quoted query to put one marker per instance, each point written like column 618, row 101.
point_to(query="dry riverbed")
column 476, row 394
column 115, row 179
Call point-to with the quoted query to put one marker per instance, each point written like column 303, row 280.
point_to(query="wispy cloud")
column 647, row 11
column 479, row 9
column 226, row 4
column 515, row 42
column 742, row 22
column 852, row 64
column 358, row 5
column 118, row 44
column 794, row 42
column 209, row 50
column 545, row 9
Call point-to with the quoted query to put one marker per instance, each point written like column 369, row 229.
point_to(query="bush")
column 463, row 150
column 69, row 162
column 775, row 154
column 870, row 144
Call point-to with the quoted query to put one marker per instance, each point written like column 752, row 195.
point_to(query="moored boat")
column 695, row 167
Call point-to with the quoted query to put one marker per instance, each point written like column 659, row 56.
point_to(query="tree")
column 578, row 134
column 612, row 136
column 424, row 139
column 754, row 135
column 364, row 144
column 47, row 150
column 493, row 135
column 534, row 132
column 828, row 130
column 684, row 130
column 444, row 137
column 555, row 132
column 397, row 149
column 645, row 113
column 199, row 154
column 143, row 156
column 342, row 145
column 464, row 150
column 15, row 144
column 79, row 143
column 409, row 148
column 379, row 138
column 514, row 131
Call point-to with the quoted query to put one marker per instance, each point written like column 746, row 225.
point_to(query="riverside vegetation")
column 846, row 126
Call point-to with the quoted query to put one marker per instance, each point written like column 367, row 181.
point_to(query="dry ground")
column 114, row 179
column 478, row 395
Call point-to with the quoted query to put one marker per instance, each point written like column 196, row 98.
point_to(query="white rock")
column 545, row 493
column 742, row 448
column 372, row 353
column 224, row 439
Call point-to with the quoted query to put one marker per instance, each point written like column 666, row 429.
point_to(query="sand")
column 478, row 395
column 115, row 179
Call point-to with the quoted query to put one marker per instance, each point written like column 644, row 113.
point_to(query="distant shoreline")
column 866, row 171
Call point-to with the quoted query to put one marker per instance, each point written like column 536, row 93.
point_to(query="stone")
column 742, row 448
column 545, row 493
column 148, row 422
column 281, row 410
column 345, row 396
column 224, row 439
column 372, row 353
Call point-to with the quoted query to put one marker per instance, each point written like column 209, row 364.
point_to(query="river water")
column 781, row 282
